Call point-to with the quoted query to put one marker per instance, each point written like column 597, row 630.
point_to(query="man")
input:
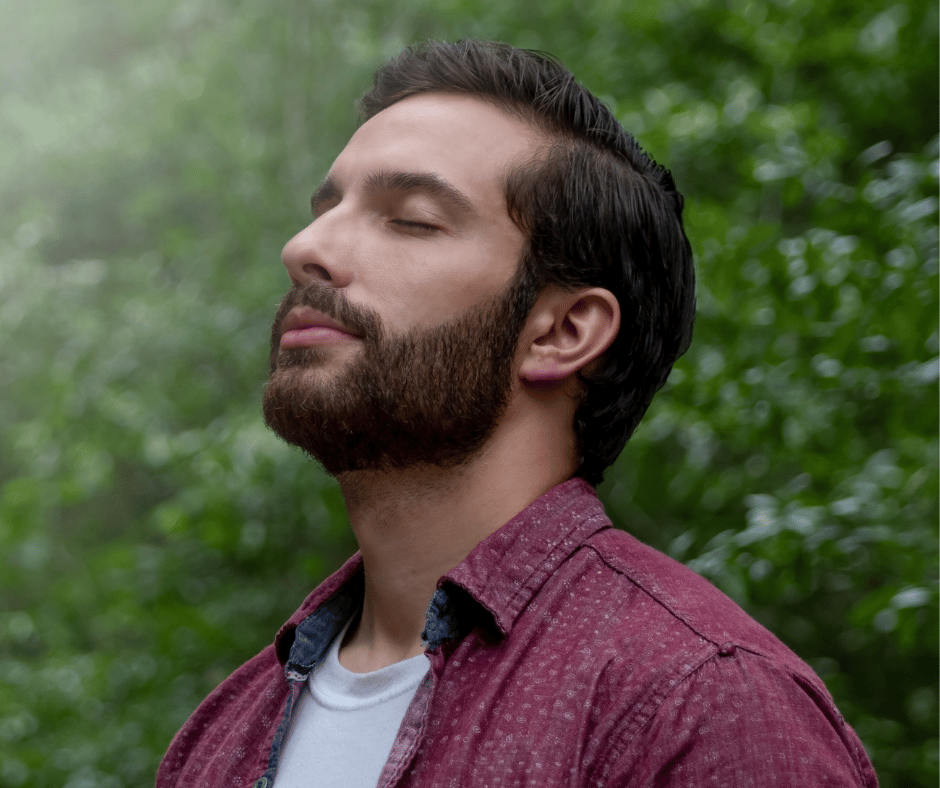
column 495, row 283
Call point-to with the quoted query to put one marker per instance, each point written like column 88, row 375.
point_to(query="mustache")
column 331, row 302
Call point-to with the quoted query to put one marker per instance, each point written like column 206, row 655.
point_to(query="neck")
column 414, row 525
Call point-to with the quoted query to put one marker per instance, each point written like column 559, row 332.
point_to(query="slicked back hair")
column 596, row 211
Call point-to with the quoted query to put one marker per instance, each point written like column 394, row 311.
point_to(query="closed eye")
column 415, row 226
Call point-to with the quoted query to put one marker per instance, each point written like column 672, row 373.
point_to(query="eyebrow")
column 429, row 183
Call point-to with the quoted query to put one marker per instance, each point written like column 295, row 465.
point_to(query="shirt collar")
column 504, row 571
column 330, row 605
column 496, row 580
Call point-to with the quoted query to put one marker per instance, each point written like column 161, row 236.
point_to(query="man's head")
column 564, row 199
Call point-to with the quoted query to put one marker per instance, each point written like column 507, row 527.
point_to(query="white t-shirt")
column 346, row 723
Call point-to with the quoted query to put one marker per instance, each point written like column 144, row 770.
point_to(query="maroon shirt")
column 563, row 653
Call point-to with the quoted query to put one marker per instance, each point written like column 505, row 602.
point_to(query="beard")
column 431, row 396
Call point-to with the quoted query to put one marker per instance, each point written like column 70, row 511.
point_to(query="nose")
column 313, row 254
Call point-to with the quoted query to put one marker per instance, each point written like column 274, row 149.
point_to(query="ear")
column 566, row 331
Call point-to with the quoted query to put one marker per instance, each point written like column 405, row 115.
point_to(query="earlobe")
column 568, row 331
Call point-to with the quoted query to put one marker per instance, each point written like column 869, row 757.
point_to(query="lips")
column 304, row 327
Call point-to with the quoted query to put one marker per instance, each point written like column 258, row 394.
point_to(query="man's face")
column 395, row 345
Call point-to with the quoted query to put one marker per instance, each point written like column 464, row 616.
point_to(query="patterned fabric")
column 563, row 653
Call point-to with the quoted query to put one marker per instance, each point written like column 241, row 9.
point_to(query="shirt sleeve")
column 740, row 720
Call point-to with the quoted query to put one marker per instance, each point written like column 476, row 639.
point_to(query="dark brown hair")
column 597, row 211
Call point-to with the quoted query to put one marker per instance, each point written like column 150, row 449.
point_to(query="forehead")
column 468, row 142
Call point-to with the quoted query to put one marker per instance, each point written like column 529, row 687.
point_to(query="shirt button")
column 727, row 649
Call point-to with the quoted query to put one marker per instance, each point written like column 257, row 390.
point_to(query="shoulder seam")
column 661, row 598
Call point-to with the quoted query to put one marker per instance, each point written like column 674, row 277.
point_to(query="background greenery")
column 153, row 159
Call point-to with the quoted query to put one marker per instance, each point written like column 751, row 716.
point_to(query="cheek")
column 439, row 300
column 487, row 269
column 444, row 281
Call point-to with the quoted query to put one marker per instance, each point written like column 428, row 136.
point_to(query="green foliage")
column 153, row 159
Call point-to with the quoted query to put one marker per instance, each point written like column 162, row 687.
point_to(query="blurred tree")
column 154, row 158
